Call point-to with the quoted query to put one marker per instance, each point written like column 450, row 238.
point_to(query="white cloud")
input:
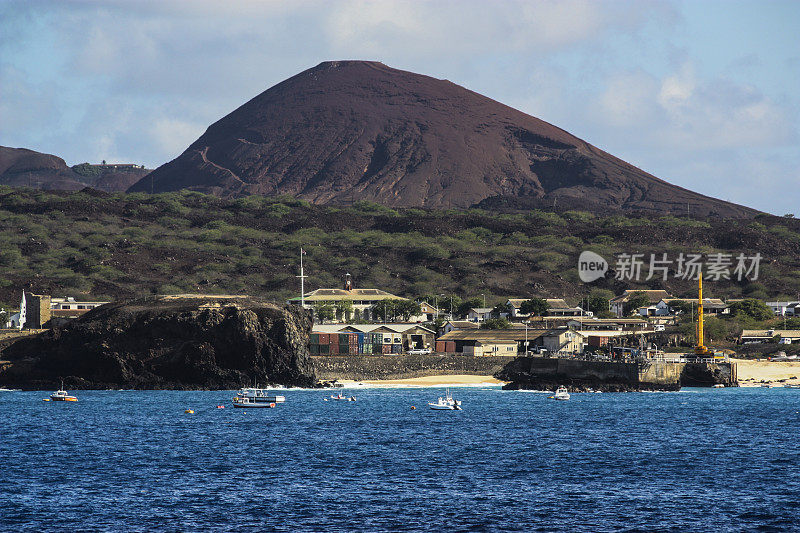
column 175, row 135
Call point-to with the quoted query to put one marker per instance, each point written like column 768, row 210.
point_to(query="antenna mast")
column 302, row 277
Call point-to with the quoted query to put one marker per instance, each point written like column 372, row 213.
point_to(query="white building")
column 479, row 314
column 785, row 308
column 555, row 307
column 17, row 320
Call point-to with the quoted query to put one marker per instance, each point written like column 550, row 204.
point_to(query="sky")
column 703, row 94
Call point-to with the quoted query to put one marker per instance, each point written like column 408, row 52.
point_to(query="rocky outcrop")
column 186, row 342
column 538, row 373
column 348, row 131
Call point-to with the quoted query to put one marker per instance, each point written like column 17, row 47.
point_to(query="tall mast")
column 302, row 277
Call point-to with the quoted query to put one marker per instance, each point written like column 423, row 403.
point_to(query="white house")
column 785, row 308
column 711, row 306
column 429, row 312
column 555, row 307
column 479, row 314
column 452, row 325
column 617, row 304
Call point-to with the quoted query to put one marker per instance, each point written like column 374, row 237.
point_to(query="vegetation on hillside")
column 111, row 246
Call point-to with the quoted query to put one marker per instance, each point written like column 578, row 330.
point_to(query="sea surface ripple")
column 697, row 460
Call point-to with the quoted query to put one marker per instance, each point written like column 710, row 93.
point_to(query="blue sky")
column 704, row 94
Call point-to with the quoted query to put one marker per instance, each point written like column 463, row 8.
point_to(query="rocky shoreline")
column 537, row 373
column 168, row 342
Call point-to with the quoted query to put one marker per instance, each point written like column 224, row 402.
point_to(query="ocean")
column 696, row 460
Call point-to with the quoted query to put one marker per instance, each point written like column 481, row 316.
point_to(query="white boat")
column 260, row 395
column 561, row 394
column 718, row 386
column 342, row 397
column 446, row 404
column 62, row 396
column 247, row 402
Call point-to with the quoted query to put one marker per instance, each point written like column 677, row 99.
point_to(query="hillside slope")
column 120, row 246
column 346, row 131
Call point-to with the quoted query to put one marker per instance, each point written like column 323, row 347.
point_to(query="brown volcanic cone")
column 355, row 130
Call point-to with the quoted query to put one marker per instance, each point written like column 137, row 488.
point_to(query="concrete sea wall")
column 371, row 367
column 545, row 374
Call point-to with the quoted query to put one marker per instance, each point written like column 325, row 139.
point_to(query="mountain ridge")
column 345, row 131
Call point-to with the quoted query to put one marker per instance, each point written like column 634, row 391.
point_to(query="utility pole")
column 302, row 277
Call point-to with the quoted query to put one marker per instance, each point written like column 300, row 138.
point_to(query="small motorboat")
column 62, row 396
column 718, row 386
column 561, row 394
column 342, row 397
column 446, row 403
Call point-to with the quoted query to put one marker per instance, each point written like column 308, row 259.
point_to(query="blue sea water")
column 697, row 460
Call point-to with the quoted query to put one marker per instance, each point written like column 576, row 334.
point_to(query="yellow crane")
column 700, row 349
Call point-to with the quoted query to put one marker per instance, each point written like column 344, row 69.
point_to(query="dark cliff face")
column 169, row 342
column 346, row 131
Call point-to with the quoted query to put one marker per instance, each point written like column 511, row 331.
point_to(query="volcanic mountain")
column 20, row 167
column 346, row 131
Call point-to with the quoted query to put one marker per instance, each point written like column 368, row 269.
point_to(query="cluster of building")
column 565, row 329
column 40, row 311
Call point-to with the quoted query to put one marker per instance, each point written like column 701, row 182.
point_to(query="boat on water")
column 255, row 397
column 446, row 403
column 342, row 397
column 260, row 395
column 248, row 402
column 561, row 394
column 62, row 396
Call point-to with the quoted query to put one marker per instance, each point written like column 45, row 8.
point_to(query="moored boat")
column 246, row 401
column 342, row 397
column 561, row 394
column 62, row 396
column 260, row 395
column 446, row 403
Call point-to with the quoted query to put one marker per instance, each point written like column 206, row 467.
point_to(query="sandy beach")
column 427, row 381
column 754, row 373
